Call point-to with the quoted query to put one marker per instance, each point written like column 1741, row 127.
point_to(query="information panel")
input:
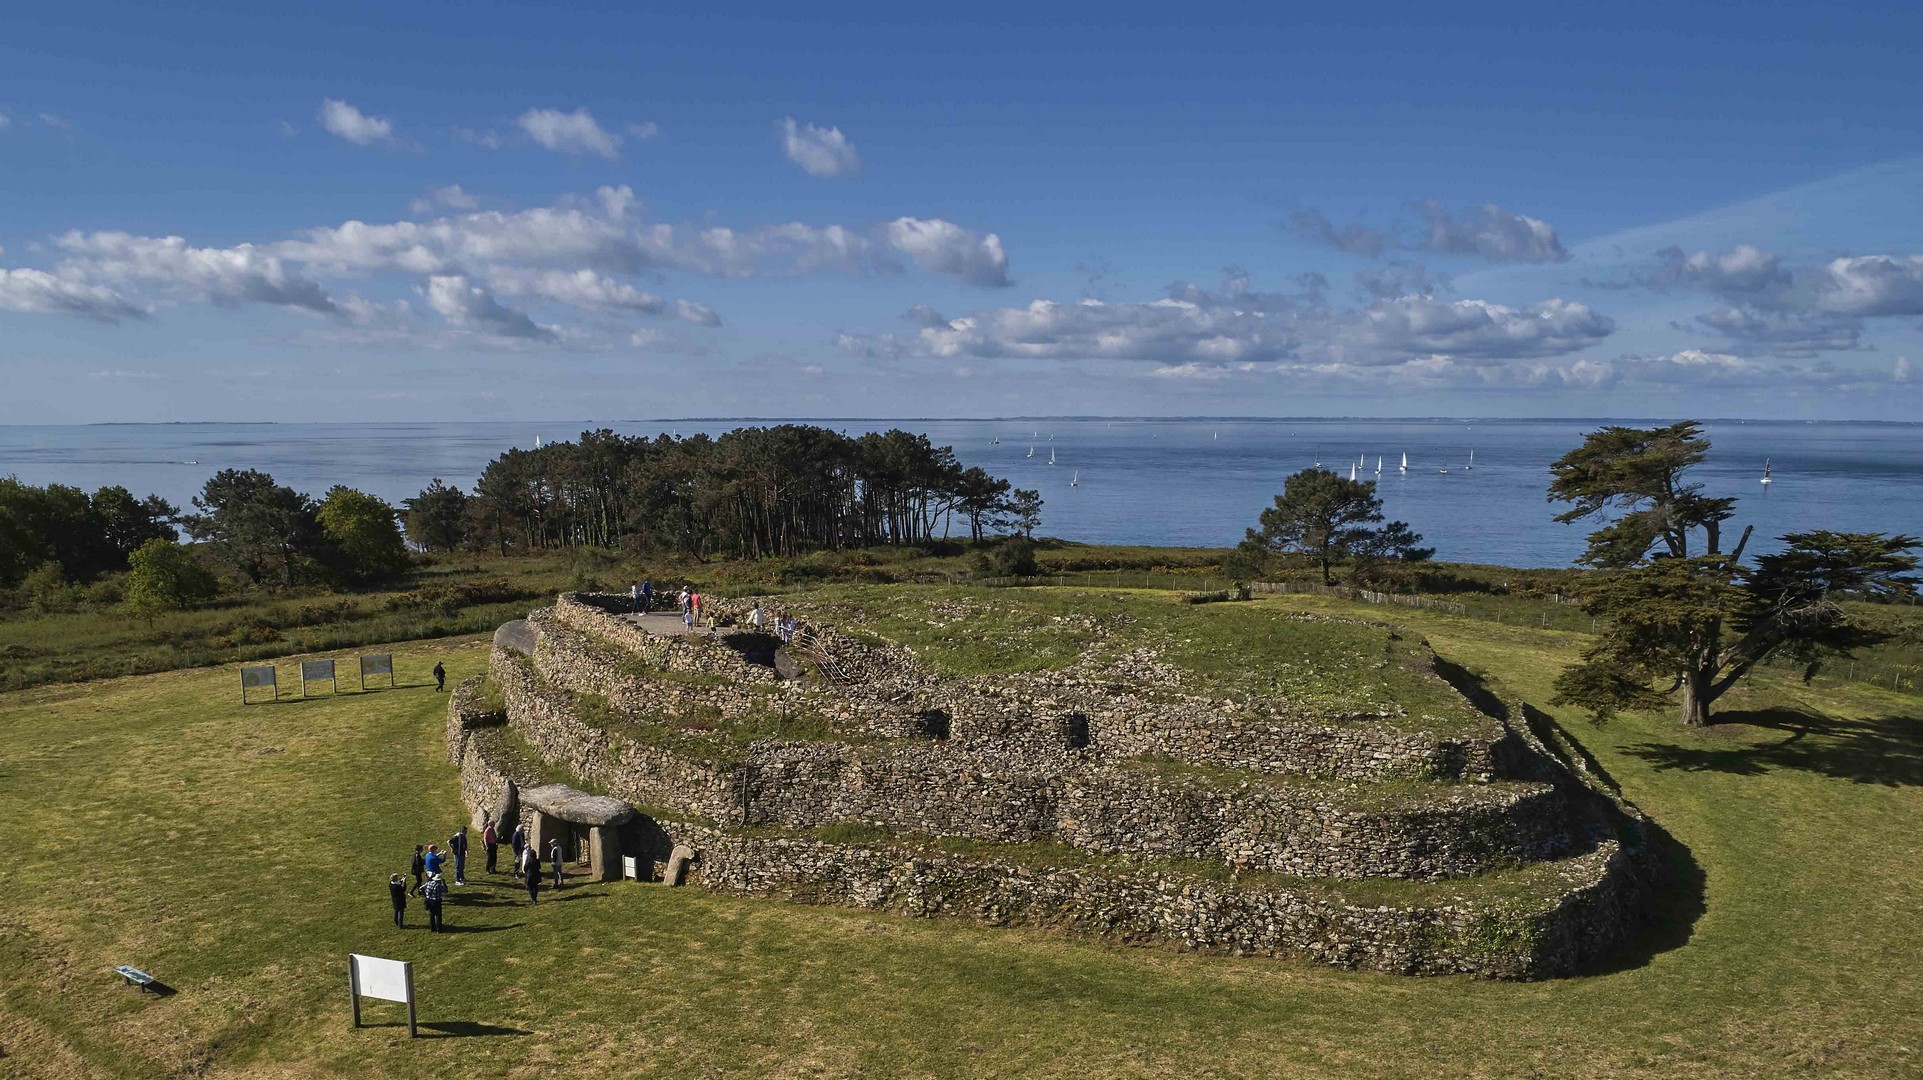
column 377, row 664
column 316, row 671
column 253, row 678
column 383, row 979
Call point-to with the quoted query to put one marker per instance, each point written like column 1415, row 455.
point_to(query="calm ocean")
column 1186, row 482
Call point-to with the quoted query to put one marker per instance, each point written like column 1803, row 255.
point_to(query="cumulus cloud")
column 1487, row 231
column 465, row 304
column 1785, row 333
column 1744, row 271
column 1490, row 232
column 1401, row 279
column 1872, row 285
column 37, row 291
column 871, row 346
column 698, row 314
column 1201, row 333
column 451, row 197
column 243, row 274
column 942, row 247
column 822, row 152
column 584, row 289
column 344, row 121
column 570, row 133
column 644, row 130
column 1355, row 238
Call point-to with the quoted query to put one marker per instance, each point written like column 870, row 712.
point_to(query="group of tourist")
column 430, row 866
column 784, row 623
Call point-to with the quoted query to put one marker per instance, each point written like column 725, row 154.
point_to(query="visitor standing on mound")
column 756, row 618
column 687, row 612
column 554, row 857
column 530, row 867
column 457, row 847
column 491, row 840
column 440, row 677
column 694, row 606
column 634, row 598
column 518, row 842
column 647, row 596
column 419, row 867
column 397, row 892
column 433, row 893
column 433, row 860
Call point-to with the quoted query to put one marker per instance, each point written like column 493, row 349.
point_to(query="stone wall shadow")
column 1886, row 751
column 1673, row 885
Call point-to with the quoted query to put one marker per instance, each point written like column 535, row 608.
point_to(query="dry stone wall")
column 1124, row 772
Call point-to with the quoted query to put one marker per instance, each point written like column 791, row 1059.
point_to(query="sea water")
column 1141, row 481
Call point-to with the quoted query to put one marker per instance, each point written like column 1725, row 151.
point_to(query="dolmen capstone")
column 559, row 811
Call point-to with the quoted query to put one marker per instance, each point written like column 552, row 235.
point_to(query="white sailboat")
column 1378, row 464
column 1472, row 461
column 1766, row 479
column 997, row 441
column 1351, row 472
column 1031, row 451
column 537, row 442
column 1051, row 455
column 1075, row 480
column 1405, row 461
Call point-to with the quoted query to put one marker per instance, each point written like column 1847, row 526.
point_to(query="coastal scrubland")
column 238, row 852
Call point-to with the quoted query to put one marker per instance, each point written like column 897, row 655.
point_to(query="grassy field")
column 240, row 853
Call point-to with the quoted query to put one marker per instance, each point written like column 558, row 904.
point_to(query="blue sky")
column 436, row 211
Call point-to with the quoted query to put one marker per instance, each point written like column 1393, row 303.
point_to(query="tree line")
column 751, row 493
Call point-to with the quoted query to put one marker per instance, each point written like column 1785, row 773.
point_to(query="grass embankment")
column 239, row 853
column 1319, row 666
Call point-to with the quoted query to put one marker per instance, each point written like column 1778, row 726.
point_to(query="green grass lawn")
column 240, row 853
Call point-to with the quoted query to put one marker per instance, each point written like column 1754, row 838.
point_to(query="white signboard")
column 316, row 671
column 377, row 664
column 387, row 980
column 255, row 677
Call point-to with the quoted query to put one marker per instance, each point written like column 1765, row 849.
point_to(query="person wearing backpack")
column 432, row 893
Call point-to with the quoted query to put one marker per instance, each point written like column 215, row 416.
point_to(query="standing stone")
column 509, row 808
column 678, row 861
column 604, row 853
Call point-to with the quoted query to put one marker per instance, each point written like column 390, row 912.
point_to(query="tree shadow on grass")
column 1886, row 751
column 447, row 929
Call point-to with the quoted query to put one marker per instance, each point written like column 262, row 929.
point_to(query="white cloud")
column 347, row 122
column 1872, row 285
column 1199, row 333
column 5, row 121
column 43, row 293
column 570, row 133
column 698, row 314
column 580, row 288
column 243, row 274
column 452, row 197
column 941, row 247
column 1490, row 232
column 822, row 152
column 1202, row 372
column 644, row 130
column 871, row 346
column 1486, row 231
column 1785, row 333
column 467, row 305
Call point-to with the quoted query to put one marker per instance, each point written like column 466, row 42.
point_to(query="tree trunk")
column 1698, row 693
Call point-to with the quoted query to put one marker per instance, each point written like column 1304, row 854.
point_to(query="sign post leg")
column 354, row 989
column 410, row 1001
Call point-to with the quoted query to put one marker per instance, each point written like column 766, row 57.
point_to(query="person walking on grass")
column 647, row 596
column 555, row 857
column 530, row 871
column 457, row 847
column 440, row 677
column 518, row 842
column 419, row 867
column 432, row 894
column 491, row 840
column 397, row 892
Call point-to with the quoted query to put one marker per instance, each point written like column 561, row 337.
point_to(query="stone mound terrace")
column 1226, row 777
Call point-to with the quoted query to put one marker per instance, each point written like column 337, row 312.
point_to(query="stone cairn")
column 1106, row 798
